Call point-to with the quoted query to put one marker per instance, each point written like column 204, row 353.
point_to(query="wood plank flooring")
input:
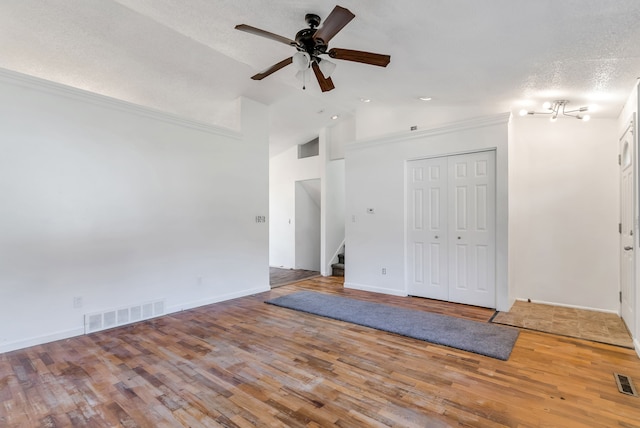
column 243, row 363
column 279, row 276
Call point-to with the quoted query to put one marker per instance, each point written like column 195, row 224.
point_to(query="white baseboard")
column 373, row 289
column 39, row 340
column 586, row 308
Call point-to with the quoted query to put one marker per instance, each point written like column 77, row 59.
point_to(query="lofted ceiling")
column 185, row 57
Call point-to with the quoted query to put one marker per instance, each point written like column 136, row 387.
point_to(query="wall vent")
column 110, row 318
column 625, row 385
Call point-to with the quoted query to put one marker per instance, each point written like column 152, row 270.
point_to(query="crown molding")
column 53, row 88
column 447, row 128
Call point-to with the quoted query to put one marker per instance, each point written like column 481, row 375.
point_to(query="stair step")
column 337, row 269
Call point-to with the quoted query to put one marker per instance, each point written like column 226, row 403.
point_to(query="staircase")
column 337, row 269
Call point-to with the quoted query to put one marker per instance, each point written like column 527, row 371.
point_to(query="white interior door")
column 427, row 228
column 451, row 228
column 472, row 204
column 627, row 257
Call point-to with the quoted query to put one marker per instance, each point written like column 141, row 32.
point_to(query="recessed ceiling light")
column 425, row 98
column 365, row 100
column 334, row 117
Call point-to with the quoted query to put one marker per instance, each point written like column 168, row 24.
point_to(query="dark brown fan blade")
column 326, row 84
column 273, row 69
column 360, row 56
column 337, row 19
column 263, row 33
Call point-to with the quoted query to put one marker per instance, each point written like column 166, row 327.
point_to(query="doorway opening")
column 307, row 224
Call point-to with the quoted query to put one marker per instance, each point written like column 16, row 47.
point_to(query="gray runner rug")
column 481, row 338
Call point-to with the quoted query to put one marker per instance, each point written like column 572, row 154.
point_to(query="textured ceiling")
column 184, row 56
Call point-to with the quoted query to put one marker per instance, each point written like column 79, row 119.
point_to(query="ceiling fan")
column 312, row 42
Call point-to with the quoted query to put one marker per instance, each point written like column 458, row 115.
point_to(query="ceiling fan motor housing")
column 306, row 43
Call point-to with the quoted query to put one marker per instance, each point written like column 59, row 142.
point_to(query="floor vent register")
column 625, row 385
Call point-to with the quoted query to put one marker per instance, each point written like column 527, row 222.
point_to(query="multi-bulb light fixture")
column 303, row 61
column 559, row 107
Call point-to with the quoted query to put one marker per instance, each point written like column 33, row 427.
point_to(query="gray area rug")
column 481, row 338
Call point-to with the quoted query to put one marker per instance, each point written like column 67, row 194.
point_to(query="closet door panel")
column 472, row 234
column 427, row 270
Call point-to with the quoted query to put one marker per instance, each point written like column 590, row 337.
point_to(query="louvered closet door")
column 427, row 228
column 451, row 228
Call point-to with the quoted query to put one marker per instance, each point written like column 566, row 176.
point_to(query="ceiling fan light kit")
column 559, row 107
column 327, row 67
column 311, row 43
column 301, row 60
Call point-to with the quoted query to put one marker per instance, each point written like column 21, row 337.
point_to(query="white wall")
column 374, row 120
column 375, row 178
column 564, row 212
column 339, row 136
column 119, row 205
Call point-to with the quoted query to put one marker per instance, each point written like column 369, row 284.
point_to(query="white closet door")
column 451, row 228
column 472, row 202
column 427, row 228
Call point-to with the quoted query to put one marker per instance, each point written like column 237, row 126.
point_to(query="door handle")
column 628, row 248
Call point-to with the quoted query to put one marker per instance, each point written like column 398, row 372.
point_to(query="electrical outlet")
column 77, row 302
column 384, row 271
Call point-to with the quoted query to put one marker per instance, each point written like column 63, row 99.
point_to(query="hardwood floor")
column 243, row 363
column 279, row 276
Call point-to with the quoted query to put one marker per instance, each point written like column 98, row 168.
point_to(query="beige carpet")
column 578, row 323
